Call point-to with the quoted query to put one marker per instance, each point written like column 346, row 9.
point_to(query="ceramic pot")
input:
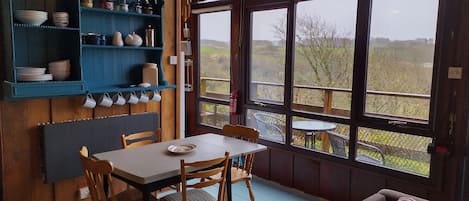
column 117, row 39
column 133, row 40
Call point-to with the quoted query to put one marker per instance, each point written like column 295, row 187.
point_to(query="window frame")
column 358, row 116
column 194, row 125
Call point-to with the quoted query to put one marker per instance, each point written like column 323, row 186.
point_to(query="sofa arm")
column 392, row 195
column 376, row 197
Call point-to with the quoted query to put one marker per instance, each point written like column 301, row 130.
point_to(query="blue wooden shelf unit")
column 95, row 68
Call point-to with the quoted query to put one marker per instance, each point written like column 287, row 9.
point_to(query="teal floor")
column 264, row 191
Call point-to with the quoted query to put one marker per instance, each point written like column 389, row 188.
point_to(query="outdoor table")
column 310, row 127
column 152, row 167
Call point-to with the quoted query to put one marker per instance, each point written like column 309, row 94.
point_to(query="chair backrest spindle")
column 95, row 172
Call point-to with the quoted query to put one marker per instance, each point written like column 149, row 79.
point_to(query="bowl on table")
column 32, row 17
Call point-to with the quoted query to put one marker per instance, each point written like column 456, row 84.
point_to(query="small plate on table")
column 182, row 148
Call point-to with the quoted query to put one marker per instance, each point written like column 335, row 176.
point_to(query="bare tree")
column 328, row 54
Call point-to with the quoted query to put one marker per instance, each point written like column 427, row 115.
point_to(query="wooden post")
column 327, row 110
column 203, row 87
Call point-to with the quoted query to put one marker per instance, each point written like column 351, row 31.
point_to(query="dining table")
column 154, row 166
column 311, row 127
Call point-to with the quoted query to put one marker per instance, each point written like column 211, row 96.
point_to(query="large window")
column 324, row 48
column 328, row 77
column 268, row 56
column 214, row 68
column 400, row 59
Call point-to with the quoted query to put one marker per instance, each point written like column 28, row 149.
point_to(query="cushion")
column 406, row 199
column 192, row 195
column 131, row 195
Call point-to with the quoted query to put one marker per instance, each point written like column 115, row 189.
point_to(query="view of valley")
column 398, row 80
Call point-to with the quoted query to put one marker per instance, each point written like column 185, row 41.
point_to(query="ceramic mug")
column 155, row 96
column 89, row 101
column 143, row 97
column 118, row 99
column 132, row 98
column 105, row 100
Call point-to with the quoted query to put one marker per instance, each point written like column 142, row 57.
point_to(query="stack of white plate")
column 31, row 74
column 32, row 17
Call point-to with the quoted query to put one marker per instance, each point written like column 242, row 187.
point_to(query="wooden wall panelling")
column 64, row 109
column 21, row 151
column 364, row 184
column 2, row 183
column 261, row 166
column 168, row 101
column 153, row 106
column 137, row 108
column 306, row 175
column 99, row 112
column 334, row 181
column 111, row 111
column 281, row 167
column 178, row 78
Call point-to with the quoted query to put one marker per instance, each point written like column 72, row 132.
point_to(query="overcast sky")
column 393, row 19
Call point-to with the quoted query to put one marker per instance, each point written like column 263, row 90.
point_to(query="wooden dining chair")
column 139, row 139
column 242, row 165
column 204, row 169
column 144, row 138
column 96, row 172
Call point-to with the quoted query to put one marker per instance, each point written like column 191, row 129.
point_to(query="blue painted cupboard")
column 95, row 69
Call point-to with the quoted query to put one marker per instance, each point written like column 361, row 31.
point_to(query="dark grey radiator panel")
column 62, row 141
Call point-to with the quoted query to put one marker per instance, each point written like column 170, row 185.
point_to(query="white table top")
column 313, row 125
column 154, row 162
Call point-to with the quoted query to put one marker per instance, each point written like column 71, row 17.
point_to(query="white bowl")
column 61, row 24
column 32, row 17
column 60, row 75
column 63, row 65
column 60, row 14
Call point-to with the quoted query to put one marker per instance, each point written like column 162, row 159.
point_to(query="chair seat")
column 239, row 175
column 192, row 195
column 236, row 175
column 131, row 195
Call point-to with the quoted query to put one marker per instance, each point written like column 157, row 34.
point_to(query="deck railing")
column 403, row 152
column 210, row 88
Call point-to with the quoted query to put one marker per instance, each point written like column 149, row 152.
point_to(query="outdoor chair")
column 269, row 127
column 98, row 171
column 204, row 170
column 339, row 143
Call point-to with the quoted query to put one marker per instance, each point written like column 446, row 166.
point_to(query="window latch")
column 397, row 123
column 259, row 103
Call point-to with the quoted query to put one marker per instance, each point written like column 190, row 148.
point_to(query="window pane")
column 268, row 56
column 326, row 137
column 324, row 48
column 400, row 61
column 270, row 125
column 215, row 30
column 403, row 152
column 214, row 115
